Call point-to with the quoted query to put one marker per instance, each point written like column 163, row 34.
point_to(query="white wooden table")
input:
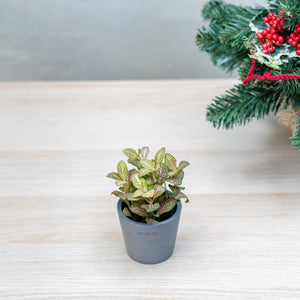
column 239, row 237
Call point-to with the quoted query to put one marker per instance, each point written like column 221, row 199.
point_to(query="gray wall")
column 102, row 40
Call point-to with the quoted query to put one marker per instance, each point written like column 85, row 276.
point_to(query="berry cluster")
column 270, row 37
column 294, row 38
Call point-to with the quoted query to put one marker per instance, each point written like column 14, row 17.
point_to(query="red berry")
column 266, row 19
column 269, row 44
column 273, row 31
column 271, row 23
column 275, row 36
column 264, row 46
column 277, row 43
column 280, row 13
column 297, row 39
column 292, row 35
column 259, row 36
column 271, row 49
column 298, row 46
column 297, row 52
column 270, row 15
column 294, row 43
column 279, row 28
column 264, row 32
column 267, row 52
column 268, row 29
column 269, row 36
column 280, row 39
column 290, row 41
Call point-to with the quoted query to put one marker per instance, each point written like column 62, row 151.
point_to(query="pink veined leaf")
column 162, row 173
column 176, row 189
column 145, row 152
column 131, row 153
column 159, row 190
column 138, row 210
column 150, row 220
column 150, row 207
column 183, row 164
column 134, row 162
column 170, row 161
column 144, row 172
column 136, row 180
column 126, row 212
column 114, row 176
column 159, row 156
column 181, row 196
column 131, row 197
column 166, row 206
column 122, row 169
column 148, row 164
column 119, row 194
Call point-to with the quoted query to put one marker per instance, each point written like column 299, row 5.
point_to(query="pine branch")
column 243, row 103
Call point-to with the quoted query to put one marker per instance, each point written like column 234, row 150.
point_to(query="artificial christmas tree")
column 264, row 44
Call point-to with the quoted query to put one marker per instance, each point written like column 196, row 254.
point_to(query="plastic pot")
column 149, row 243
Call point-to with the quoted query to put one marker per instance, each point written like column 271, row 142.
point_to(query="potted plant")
column 148, row 212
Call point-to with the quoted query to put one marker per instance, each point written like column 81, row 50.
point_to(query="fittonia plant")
column 144, row 189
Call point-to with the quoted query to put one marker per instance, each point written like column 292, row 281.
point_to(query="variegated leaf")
column 170, row 161
column 131, row 197
column 150, row 220
column 138, row 210
column 145, row 152
column 159, row 156
column 144, row 186
column 176, row 189
column 130, row 173
column 122, row 170
column 172, row 173
column 159, row 190
column 148, row 164
column 134, row 162
column 136, row 180
column 183, row 164
column 114, row 176
column 181, row 196
column 151, row 207
column 119, row 194
column 120, row 182
column 166, row 206
column 131, row 153
column 162, row 173
column 176, row 180
column 126, row 212
column 148, row 194
column 143, row 172
column 137, row 193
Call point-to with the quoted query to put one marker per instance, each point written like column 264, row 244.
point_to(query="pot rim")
column 126, row 219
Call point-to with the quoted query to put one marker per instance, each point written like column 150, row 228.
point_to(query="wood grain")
column 239, row 237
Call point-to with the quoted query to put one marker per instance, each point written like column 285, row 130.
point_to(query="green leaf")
column 159, row 190
column 159, row 156
column 162, row 173
column 137, row 193
column 131, row 196
column 145, row 152
column 176, row 180
column 170, row 161
column 134, row 162
column 144, row 186
column 126, row 212
column 143, row 172
column 151, row 207
column 119, row 194
column 138, row 210
column 181, row 196
column 183, row 164
column 122, row 170
column 148, row 164
column 166, row 206
column 150, row 220
column 131, row 153
column 150, row 181
column 120, row 182
column 136, row 180
column 114, row 176
column 148, row 194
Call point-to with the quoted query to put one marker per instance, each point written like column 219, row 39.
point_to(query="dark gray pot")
column 149, row 243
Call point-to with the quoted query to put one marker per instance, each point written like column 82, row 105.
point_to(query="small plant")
column 144, row 189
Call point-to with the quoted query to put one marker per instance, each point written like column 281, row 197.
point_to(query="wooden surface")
column 239, row 237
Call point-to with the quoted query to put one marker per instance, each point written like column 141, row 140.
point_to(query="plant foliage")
column 230, row 40
column 144, row 188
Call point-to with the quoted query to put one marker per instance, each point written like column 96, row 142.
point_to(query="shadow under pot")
column 149, row 243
